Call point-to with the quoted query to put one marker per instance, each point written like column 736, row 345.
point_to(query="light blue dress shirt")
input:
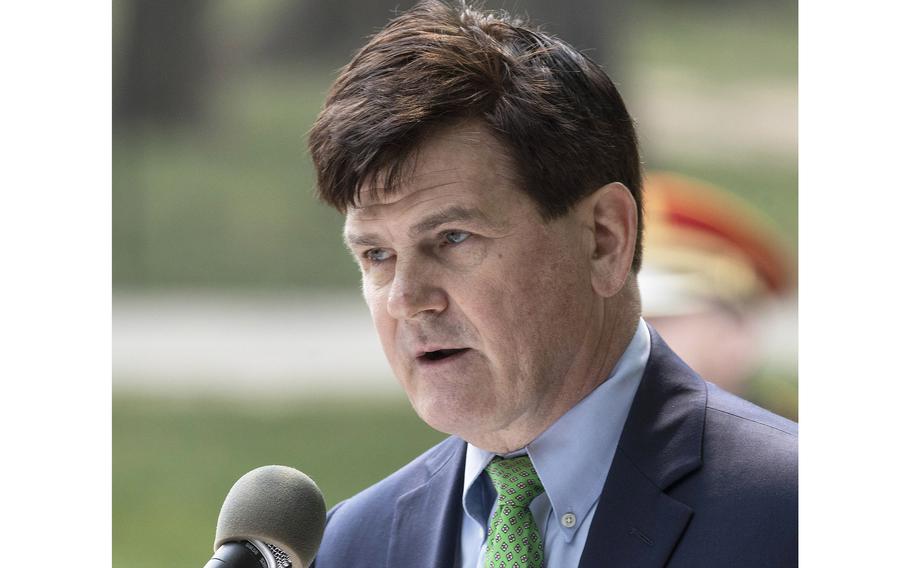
column 572, row 458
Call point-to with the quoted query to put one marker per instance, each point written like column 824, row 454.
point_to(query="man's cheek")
column 375, row 301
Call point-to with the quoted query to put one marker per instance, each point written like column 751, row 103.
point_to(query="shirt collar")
column 572, row 456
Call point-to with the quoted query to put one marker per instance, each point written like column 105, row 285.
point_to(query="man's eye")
column 377, row 255
column 455, row 237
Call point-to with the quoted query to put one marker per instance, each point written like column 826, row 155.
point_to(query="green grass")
column 174, row 461
column 229, row 203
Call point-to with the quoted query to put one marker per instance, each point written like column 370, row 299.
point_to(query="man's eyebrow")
column 451, row 214
column 365, row 240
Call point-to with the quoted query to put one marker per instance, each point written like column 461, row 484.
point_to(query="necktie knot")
column 515, row 480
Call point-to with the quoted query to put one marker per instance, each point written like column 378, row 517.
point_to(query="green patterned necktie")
column 513, row 540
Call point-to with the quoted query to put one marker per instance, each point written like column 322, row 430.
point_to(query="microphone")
column 273, row 517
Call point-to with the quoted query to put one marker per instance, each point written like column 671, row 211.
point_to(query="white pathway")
column 241, row 344
column 245, row 343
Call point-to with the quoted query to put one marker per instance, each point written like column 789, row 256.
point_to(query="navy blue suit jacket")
column 700, row 478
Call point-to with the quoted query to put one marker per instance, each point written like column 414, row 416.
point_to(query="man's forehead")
column 417, row 188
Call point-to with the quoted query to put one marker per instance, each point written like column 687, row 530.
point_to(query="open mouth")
column 441, row 354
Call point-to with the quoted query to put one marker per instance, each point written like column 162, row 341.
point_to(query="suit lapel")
column 636, row 522
column 427, row 519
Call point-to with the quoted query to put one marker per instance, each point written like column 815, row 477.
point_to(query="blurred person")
column 490, row 180
column 712, row 265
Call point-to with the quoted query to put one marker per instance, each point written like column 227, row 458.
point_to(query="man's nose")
column 414, row 292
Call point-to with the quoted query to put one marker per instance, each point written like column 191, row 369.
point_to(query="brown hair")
column 555, row 110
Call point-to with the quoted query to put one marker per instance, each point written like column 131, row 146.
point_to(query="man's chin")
column 446, row 416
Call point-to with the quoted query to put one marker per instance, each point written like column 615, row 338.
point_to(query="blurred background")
column 239, row 338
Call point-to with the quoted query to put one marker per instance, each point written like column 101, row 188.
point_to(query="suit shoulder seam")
column 754, row 421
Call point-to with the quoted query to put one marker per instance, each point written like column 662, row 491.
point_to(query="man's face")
column 480, row 305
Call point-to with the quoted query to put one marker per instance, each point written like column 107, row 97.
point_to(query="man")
column 491, row 184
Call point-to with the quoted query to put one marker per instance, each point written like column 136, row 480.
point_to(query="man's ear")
column 613, row 217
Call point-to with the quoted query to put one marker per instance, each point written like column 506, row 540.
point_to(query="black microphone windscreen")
column 277, row 505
